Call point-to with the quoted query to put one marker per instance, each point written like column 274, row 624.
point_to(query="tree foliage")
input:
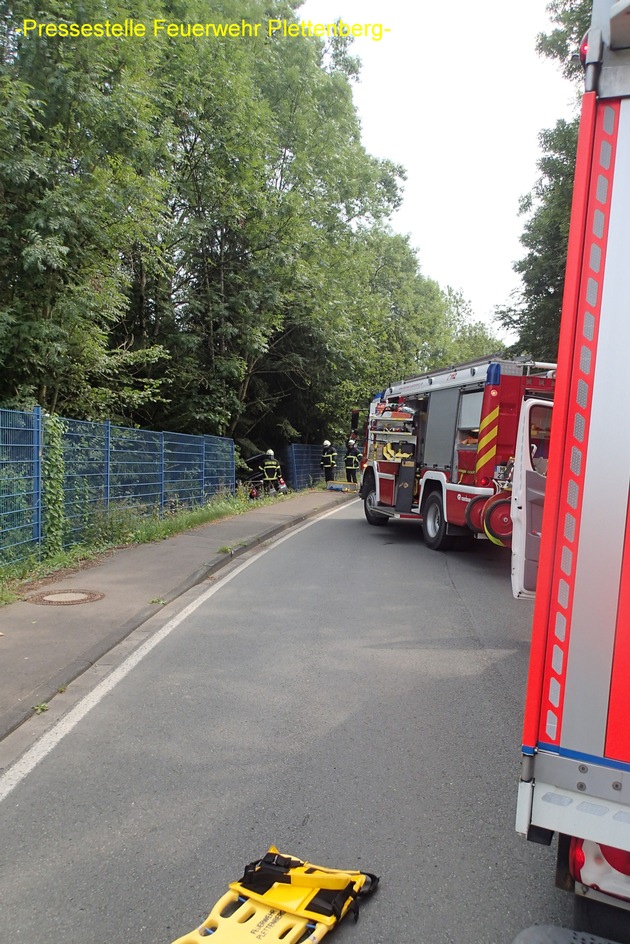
column 535, row 315
column 572, row 19
column 192, row 235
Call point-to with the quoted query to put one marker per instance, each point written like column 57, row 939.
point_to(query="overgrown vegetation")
column 192, row 235
column 53, row 473
column 122, row 526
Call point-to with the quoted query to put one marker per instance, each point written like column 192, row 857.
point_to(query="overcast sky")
column 457, row 94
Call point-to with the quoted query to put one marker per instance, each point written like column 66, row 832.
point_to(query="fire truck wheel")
column 497, row 521
column 474, row 513
column 434, row 524
column 369, row 502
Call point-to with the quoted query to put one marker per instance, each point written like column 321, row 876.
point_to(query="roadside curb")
column 14, row 717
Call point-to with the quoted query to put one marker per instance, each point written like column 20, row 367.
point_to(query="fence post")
column 38, row 446
column 108, row 447
column 162, row 473
column 203, row 470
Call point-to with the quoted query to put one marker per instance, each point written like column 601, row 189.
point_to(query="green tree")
column 572, row 19
column 536, row 317
column 192, row 235
column 271, row 178
column 78, row 184
column 535, row 314
column 462, row 338
column 388, row 321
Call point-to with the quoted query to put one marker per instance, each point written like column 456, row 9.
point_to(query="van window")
column 539, row 429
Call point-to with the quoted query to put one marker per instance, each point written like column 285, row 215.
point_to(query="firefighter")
column 352, row 460
column 271, row 471
column 328, row 460
column 470, row 437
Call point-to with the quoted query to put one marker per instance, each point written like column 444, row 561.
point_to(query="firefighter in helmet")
column 328, row 460
column 271, row 471
column 351, row 461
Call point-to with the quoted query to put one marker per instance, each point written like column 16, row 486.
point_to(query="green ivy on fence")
column 53, row 472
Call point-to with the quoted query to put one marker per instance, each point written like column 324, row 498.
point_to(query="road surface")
column 346, row 694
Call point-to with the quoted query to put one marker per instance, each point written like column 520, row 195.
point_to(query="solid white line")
column 22, row 767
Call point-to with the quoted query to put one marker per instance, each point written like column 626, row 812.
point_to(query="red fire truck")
column 575, row 777
column 439, row 448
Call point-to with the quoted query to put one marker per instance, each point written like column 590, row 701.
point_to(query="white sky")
column 457, row 94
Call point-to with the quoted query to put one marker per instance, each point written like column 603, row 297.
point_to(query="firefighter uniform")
column 271, row 470
column 328, row 461
column 351, row 461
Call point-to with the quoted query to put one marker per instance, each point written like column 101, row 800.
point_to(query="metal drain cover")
column 65, row 597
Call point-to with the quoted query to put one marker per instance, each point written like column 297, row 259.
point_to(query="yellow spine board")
column 280, row 914
column 296, row 896
column 252, row 921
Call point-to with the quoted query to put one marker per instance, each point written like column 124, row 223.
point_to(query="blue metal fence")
column 302, row 468
column 20, row 481
column 105, row 466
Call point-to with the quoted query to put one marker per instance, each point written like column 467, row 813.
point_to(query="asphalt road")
column 347, row 695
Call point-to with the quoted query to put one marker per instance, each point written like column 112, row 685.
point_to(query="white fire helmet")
column 327, row 442
column 351, row 442
column 270, row 452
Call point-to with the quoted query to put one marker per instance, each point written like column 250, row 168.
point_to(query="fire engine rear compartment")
column 439, row 446
column 436, row 438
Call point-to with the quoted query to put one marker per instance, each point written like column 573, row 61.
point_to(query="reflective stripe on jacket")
column 270, row 469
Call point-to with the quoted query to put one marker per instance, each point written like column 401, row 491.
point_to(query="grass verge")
column 119, row 527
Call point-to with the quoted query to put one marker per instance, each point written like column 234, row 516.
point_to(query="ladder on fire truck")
column 456, row 375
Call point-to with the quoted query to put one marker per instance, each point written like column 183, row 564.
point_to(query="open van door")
column 529, row 479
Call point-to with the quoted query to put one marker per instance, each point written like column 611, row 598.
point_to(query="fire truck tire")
column 497, row 521
column 605, row 921
column 434, row 524
column 372, row 516
column 474, row 513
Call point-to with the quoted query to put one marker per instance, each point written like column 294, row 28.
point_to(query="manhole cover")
column 65, row 597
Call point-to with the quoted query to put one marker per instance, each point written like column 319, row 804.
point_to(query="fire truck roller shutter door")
column 440, row 432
